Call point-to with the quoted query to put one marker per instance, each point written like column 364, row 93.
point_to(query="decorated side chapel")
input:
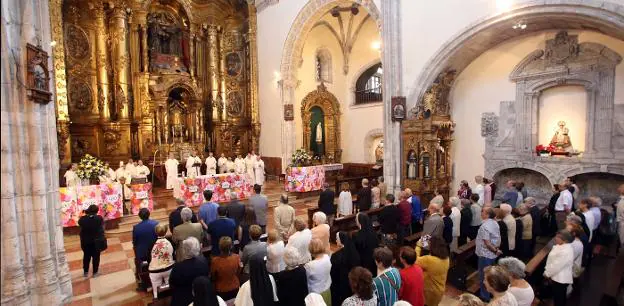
column 427, row 135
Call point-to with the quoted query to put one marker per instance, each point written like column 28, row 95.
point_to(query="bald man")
column 434, row 225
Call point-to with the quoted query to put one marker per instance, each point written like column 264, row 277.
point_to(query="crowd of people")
column 295, row 265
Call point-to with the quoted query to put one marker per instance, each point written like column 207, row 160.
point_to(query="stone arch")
column 354, row 79
column 461, row 49
column 368, row 142
column 538, row 184
column 331, row 113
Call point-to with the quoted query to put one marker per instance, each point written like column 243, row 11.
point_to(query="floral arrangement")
column 542, row 149
column 90, row 168
column 301, row 157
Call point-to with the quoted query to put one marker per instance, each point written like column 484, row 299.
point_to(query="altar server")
column 230, row 165
column 71, row 177
column 111, row 173
column 171, row 166
column 192, row 165
column 130, row 167
column 120, row 172
column 259, row 171
column 239, row 164
column 211, row 164
column 141, row 171
column 249, row 167
column 222, row 163
column 108, row 176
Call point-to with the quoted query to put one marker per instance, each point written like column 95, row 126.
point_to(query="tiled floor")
column 116, row 283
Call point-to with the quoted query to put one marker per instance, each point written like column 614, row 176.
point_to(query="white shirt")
column 564, row 201
column 259, row 172
column 71, row 178
column 345, row 203
column 559, row 264
column 510, row 222
column 222, row 163
column 319, row 279
column 301, row 241
column 577, row 248
column 211, row 163
column 130, row 170
column 220, row 302
column 141, row 171
column 524, row 296
column 243, row 298
column 275, row 257
column 480, row 190
column 456, row 218
column 590, row 221
column 239, row 164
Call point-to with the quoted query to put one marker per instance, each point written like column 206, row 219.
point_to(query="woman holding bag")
column 92, row 239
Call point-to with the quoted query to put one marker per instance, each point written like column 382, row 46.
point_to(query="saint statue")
column 319, row 133
column 561, row 140
column 379, row 151
column 412, row 165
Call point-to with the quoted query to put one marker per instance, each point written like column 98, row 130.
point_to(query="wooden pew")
column 535, row 267
column 458, row 270
column 348, row 223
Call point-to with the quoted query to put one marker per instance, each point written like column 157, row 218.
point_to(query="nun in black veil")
column 366, row 242
column 342, row 262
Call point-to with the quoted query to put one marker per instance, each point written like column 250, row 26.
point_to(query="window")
column 368, row 87
column 323, row 66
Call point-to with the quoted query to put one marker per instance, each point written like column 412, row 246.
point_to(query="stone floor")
column 116, row 283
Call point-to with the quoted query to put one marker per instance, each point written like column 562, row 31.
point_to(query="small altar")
column 190, row 190
column 308, row 178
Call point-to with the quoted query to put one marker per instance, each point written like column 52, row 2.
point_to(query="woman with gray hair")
column 184, row 272
column 321, row 229
column 292, row 283
column 455, row 216
column 519, row 288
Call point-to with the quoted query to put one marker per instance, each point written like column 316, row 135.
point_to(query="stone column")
column 287, row 91
column 214, row 77
column 33, row 264
column 392, row 86
column 102, row 59
column 121, row 60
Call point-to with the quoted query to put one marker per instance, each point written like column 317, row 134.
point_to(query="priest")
column 222, row 163
column 141, row 171
column 130, row 168
column 249, row 167
column 211, row 164
column 120, row 173
column 171, row 166
column 71, row 176
column 259, row 171
column 239, row 165
column 193, row 164
column 230, row 165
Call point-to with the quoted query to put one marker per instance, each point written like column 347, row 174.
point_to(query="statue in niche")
column 379, row 151
column 165, row 42
column 412, row 165
column 561, row 139
column 319, row 133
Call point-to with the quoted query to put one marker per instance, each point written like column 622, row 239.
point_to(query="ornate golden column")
column 253, row 78
column 101, row 46
column 60, row 81
column 214, row 74
column 121, row 59
column 222, row 73
column 192, row 44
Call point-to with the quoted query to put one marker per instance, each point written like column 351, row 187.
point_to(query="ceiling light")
column 519, row 26
column 53, row 43
column 376, row 45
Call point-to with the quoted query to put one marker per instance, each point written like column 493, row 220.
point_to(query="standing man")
column 405, row 210
column 120, row 173
column 141, row 171
column 486, row 246
column 222, row 227
column 143, row 238
column 235, row 210
column 259, row 171
column 130, row 170
column 171, row 166
column 511, row 194
column 364, row 200
column 230, row 166
column 249, row 168
column 284, row 217
column 510, row 222
column 71, row 177
column 620, row 215
column 260, row 204
column 239, row 165
column 326, row 203
column 563, row 206
column 222, row 163
column 193, row 162
column 434, row 225
column 383, row 188
column 479, row 189
column 475, row 209
column 208, row 211
column 211, row 164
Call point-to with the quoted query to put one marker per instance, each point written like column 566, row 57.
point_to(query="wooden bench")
column 458, row 270
column 348, row 223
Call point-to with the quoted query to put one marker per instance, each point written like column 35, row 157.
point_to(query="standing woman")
column 248, row 220
column 345, row 201
column 92, row 240
column 342, row 261
column 260, row 289
column 366, row 242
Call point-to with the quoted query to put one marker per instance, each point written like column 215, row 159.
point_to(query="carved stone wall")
column 563, row 62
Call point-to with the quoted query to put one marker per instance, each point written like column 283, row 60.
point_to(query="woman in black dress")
column 342, row 262
column 366, row 242
column 91, row 229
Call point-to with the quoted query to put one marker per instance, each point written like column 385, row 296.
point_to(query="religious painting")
column 398, row 108
column 37, row 76
column 233, row 64
column 289, row 113
column 235, row 103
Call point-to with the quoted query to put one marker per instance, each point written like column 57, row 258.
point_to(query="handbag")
column 100, row 244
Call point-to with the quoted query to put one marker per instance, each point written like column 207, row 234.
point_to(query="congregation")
column 292, row 264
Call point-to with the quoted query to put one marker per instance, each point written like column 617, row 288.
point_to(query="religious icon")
column 412, row 164
column 289, row 114
column 398, row 108
column 235, row 103
column 37, row 80
column 379, row 151
column 561, row 140
column 319, row 132
column 233, row 64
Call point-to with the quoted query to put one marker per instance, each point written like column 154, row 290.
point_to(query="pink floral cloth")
column 305, row 179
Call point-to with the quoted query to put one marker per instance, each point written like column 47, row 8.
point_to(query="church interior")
column 135, row 106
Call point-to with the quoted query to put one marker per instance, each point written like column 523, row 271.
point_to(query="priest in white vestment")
column 111, row 173
column 120, row 172
column 239, row 164
column 171, row 166
column 211, row 164
column 259, row 171
column 249, row 167
column 230, row 165
column 71, row 176
column 193, row 163
column 108, row 176
column 141, row 171
column 222, row 163
column 130, row 169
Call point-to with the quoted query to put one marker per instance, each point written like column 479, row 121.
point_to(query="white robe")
column 222, row 162
column 259, row 172
column 239, row 165
column 71, row 178
column 211, row 165
column 345, row 203
column 119, row 173
column 230, row 166
column 171, row 166
column 141, row 171
column 190, row 170
column 249, row 167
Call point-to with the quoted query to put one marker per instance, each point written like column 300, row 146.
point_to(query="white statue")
column 319, row 133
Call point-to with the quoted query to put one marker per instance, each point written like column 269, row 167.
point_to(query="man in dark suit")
column 364, row 197
column 175, row 219
column 143, row 238
column 389, row 219
column 235, row 210
column 326, row 203
column 222, row 227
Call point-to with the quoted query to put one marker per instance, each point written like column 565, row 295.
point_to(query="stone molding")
column 368, row 143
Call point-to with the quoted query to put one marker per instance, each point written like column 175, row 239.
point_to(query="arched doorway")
column 321, row 135
column 536, row 183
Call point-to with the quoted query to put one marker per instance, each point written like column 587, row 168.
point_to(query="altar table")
column 222, row 185
column 306, row 179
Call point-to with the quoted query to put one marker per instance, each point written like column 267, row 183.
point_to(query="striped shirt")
column 386, row 293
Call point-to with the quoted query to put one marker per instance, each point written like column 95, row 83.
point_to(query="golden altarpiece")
column 426, row 141
column 135, row 77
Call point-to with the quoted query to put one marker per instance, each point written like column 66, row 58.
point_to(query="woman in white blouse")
column 300, row 240
column 318, row 271
column 345, row 201
column 559, row 265
column 455, row 216
column 275, row 252
column 519, row 288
